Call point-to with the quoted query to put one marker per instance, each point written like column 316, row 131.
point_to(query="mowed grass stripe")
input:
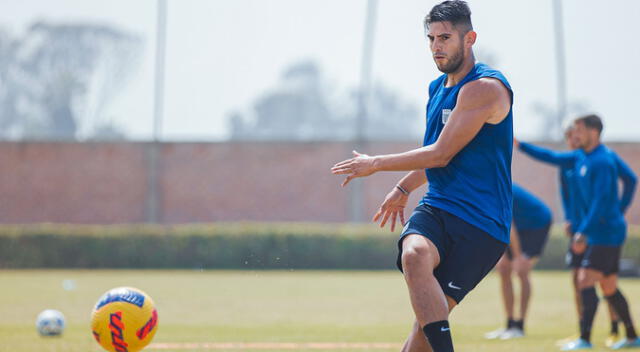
column 274, row 346
column 281, row 307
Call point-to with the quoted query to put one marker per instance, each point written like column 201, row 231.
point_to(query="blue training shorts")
column 467, row 254
column 605, row 259
column 532, row 241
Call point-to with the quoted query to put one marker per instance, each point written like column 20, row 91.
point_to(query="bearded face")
column 447, row 46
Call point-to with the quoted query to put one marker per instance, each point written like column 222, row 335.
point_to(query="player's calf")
column 620, row 305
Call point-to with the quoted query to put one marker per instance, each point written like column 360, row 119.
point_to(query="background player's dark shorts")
column 532, row 242
column 573, row 260
column 467, row 254
column 605, row 259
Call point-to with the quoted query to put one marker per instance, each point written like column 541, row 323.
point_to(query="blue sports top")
column 629, row 181
column 566, row 162
column 476, row 184
column 529, row 212
column 600, row 208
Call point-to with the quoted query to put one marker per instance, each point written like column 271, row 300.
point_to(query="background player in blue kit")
column 600, row 232
column 461, row 227
column 529, row 234
column 569, row 191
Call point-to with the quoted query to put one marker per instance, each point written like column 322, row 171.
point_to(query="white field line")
column 273, row 346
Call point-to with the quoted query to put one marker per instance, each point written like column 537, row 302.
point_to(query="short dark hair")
column 591, row 121
column 455, row 11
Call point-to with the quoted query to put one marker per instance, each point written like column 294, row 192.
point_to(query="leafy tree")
column 303, row 106
column 57, row 79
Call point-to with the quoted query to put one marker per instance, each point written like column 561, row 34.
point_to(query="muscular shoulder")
column 488, row 94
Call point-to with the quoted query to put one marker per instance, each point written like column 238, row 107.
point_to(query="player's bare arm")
column 483, row 101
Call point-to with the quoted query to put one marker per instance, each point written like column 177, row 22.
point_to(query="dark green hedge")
column 221, row 246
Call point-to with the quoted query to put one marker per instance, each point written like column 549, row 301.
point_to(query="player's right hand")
column 392, row 207
column 579, row 243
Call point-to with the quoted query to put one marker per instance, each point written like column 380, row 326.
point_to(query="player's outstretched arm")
column 486, row 100
column 392, row 208
column 549, row 156
column 483, row 101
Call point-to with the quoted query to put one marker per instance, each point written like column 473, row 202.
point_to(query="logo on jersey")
column 583, row 170
column 445, row 115
column 454, row 286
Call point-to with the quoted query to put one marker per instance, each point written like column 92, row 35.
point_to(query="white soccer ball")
column 50, row 322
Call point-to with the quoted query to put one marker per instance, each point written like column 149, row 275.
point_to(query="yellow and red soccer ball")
column 124, row 320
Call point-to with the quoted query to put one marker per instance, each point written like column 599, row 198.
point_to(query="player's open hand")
column 392, row 207
column 579, row 244
column 360, row 165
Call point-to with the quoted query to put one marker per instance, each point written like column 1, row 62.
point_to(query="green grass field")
column 207, row 308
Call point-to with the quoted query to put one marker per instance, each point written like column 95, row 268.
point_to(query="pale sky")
column 223, row 54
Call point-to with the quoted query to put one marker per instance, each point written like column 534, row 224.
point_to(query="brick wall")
column 106, row 183
column 74, row 183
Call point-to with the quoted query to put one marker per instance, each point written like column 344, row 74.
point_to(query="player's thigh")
column 609, row 284
column 419, row 250
column 422, row 233
column 503, row 267
column 470, row 258
column 588, row 277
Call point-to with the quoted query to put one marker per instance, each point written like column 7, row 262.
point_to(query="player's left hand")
column 359, row 166
column 579, row 244
column 392, row 207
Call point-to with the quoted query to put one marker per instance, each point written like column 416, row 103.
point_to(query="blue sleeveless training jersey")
column 476, row 184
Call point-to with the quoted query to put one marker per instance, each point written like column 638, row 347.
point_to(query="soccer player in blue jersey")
column 461, row 227
column 600, row 233
column 566, row 162
column 529, row 234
